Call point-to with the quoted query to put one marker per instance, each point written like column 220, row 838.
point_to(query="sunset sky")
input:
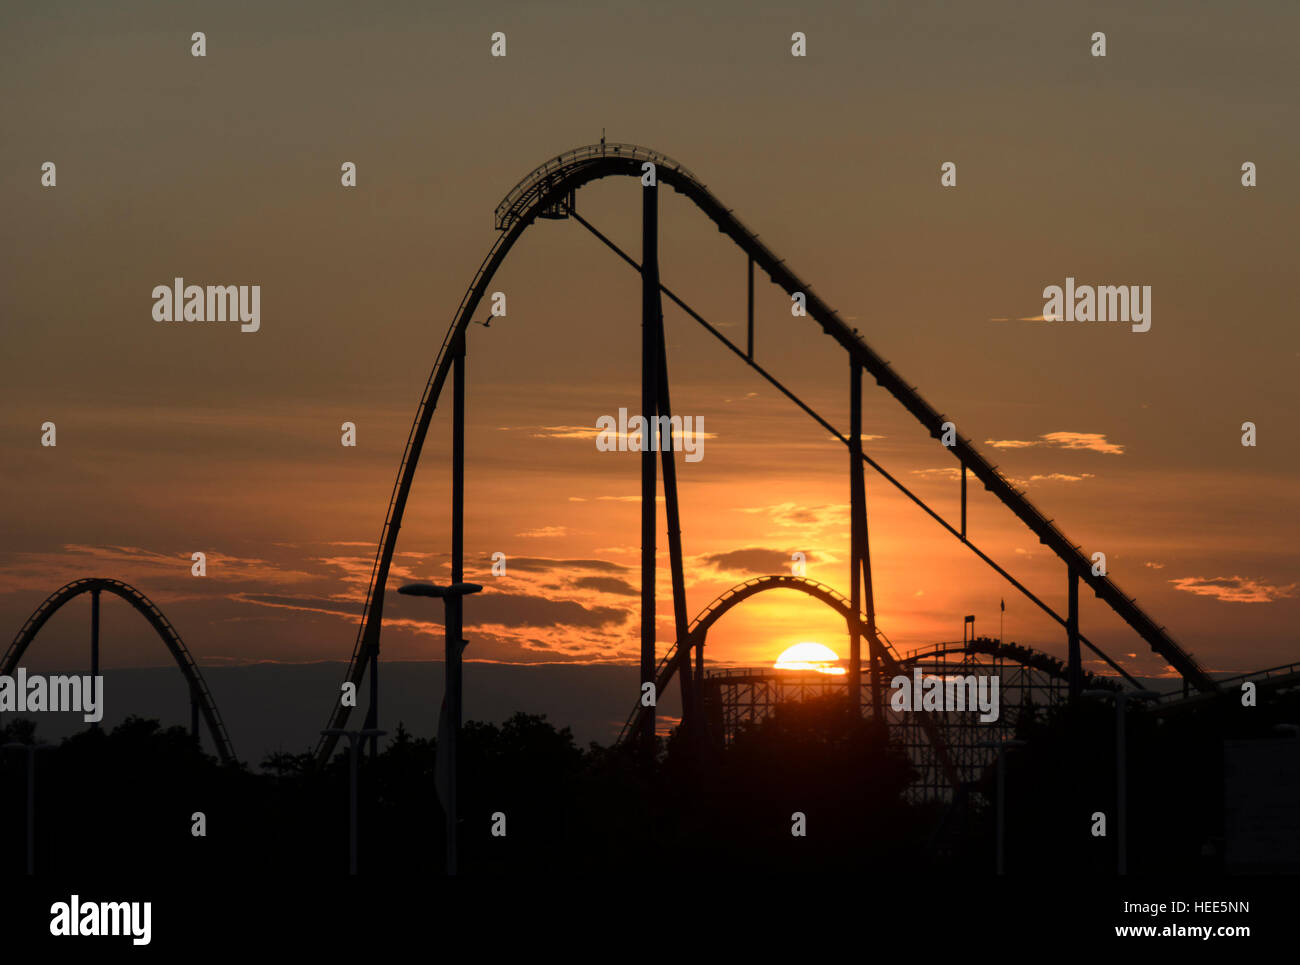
column 175, row 438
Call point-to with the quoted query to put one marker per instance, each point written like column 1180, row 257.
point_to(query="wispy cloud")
column 605, row 584
column 1094, row 441
column 1061, row 477
column 543, row 532
column 753, row 560
column 792, row 514
column 592, row 432
column 565, row 432
column 1234, row 589
column 542, row 564
column 1011, row 443
column 947, row 472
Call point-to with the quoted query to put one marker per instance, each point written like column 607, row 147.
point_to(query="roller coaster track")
column 189, row 669
column 548, row 192
column 729, row 598
column 1025, row 656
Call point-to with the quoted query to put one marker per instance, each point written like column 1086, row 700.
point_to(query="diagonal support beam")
column 681, row 621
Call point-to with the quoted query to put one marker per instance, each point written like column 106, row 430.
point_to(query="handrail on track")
column 508, row 211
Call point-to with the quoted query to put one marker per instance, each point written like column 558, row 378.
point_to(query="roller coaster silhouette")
column 549, row 193
column 715, row 704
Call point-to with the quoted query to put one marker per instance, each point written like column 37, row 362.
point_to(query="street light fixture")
column 353, row 737
column 31, row 750
column 1002, row 785
column 451, row 597
column 1121, row 764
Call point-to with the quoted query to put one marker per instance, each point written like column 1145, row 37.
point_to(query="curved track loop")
column 544, row 193
column 710, row 615
column 1025, row 656
column 189, row 669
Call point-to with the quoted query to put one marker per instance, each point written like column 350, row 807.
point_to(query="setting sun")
column 809, row 656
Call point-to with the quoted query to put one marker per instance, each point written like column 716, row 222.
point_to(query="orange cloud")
column 1234, row 589
column 1095, row 441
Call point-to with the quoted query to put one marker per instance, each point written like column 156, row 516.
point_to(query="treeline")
column 129, row 799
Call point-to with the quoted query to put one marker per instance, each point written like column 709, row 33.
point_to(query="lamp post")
column 451, row 598
column 1002, row 790
column 1121, row 766
column 31, row 750
column 353, row 736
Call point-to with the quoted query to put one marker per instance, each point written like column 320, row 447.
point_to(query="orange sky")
column 225, row 170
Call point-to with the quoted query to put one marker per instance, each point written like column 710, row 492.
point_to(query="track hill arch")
column 721, row 605
column 200, row 696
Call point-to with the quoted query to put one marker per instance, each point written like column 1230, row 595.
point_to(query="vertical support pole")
column 1121, row 783
column 699, row 668
column 455, row 643
column 874, row 643
column 94, row 639
column 458, row 461
column 1072, row 632
column 862, row 558
column 31, row 810
column 649, row 481
column 1002, row 808
column 194, row 714
column 94, row 633
column 690, row 710
column 372, row 714
column 353, row 754
column 751, row 309
column 455, row 620
column 855, row 537
column 963, row 502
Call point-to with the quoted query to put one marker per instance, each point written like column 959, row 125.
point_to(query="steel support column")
column 1072, row 634
column 650, row 314
column 455, row 612
column 94, row 643
column 855, row 537
column 372, row 712
column 963, row 502
column 458, row 461
column 863, row 593
column 751, row 309
column 450, row 740
column 690, row 710
column 94, row 633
